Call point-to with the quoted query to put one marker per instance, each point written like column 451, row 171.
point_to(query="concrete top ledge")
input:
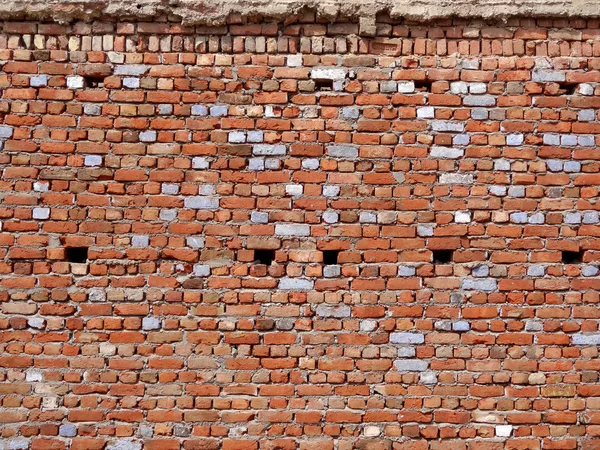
column 216, row 12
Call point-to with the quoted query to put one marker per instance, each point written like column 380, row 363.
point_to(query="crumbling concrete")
column 216, row 12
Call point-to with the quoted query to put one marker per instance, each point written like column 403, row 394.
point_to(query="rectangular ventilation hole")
column 442, row 256
column 94, row 82
column 567, row 88
column 76, row 254
column 572, row 257
column 264, row 257
column 422, row 85
column 323, row 84
column 330, row 257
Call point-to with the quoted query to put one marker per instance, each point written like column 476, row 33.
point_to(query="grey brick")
column 255, row 136
column 236, row 137
column 332, row 271
column 124, row 444
column 328, row 74
column 256, row 164
column 586, row 339
column 425, row 230
column 551, row 139
column 410, row 365
column 311, row 164
column 498, row 191
column 200, row 162
column 533, row 325
column 548, row 76
column 459, row 87
column 514, row 139
column 272, row 164
column 572, row 218
column 501, row 164
column 487, row 284
column 590, row 217
column 131, row 83
column 67, row 430
column 477, row 88
column 554, row 165
column 5, row 131
column 461, row 139
column 407, row 351
column 330, row 217
column 446, row 152
column 428, row 378
column 518, row 217
column 572, row 166
column 41, row 213
column 36, row 322
column 446, row 125
column 38, row 80
column 131, row 69
column 443, row 325
column 367, row 217
column 407, row 338
column 426, row 112
column 207, row 189
column 195, row 241
column 406, row 271
column 406, row 87
column 589, row 271
column 586, row 115
column 586, row 141
column 268, row 150
column 480, row 271
column 350, row 113
column 342, row 151
column 219, row 111
column 259, row 217
column 479, row 113
column 93, row 160
column 75, row 82
column 18, row 443
column 456, row 178
column 568, row 140
column 296, row 284
column 148, row 136
column 169, row 189
column 199, row 110
column 140, row 241
column 537, row 218
column 292, row 229
column 165, row 109
column 461, row 325
column 338, row 311
column 201, row 202
column 331, row 190
column 92, row 109
column 150, row 323
column 516, row 191
column 168, row 214
column 201, row 270
column 479, row 100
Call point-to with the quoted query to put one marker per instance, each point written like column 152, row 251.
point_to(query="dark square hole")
column 323, row 85
column 442, row 256
column 76, row 254
column 330, row 257
column 567, row 88
column 422, row 85
column 572, row 257
column 264, row 257
column 94, row 82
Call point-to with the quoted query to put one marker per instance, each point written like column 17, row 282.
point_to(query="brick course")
column 428, row 195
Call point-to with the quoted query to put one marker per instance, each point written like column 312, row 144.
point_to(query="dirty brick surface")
column 306, row 236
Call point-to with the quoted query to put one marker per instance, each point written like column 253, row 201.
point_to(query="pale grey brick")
column 537, row 218
column 75, row 82
column 272, row 164
column 5, row 131
column 259, row 217
column 367, row 217
column 514, row 139
column 92, row 109
column 296, row 284
column 200, row 162
column 518, row 217
column 456, row 178
column 407, row 351
column 368, row 325
column 387, row 86
column 572, row 166
column 292, row 229
column 479, row 100
column 568, row 140
column 498, row 191
column 338, row 311
column 461, row 139
column 201, row 270
column 331, row 191
column 268, row 150
column 586, row 115
column 406, row 87
column 36, row 322
column 480, row 271
column 169, row 189
column 294, row 60
column 462, row 217
column 477, row 88
column 236, row 137
column 548, row 76
column 195, row 241
column 426, row 112
column 459, row 87
column 168, row 214
column 294, row 189
column 311, row 164
column 446, row 152
column 589, row 271
column 124, row 444
column 131, row 69
column 93, row 160
column 342, row 151
column 406, row 271
column 590, row 217
column 443, row 325
column 516, row 191
column 502, row 164
column 166, row 109
column 572, row 218
column 199, row 110
column 201, row 203
column 18, row 443
column 461, row 325
column 330, row 217
column 586, row 339
column 328, row 74
column 428, row 378
column 586, row 141
column 38, row 80
column 586, row 89
column 256, row 164
column 551, row 139
column 533, row 325
column 131, row 83
column 350, row 113
column 479, row 113
column 207, row 189
column 150, row 323
column 219, row 111
column 425, row 230
column 536, row 271
column 554, row 165
column 446, row 125
column 407, row 338
column 488, row 284
column 255, row 136
column 332, row 271
column 140, row 241
column 41, row 213
column 410, row 365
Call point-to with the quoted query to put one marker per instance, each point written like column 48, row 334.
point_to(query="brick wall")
column 277, row 237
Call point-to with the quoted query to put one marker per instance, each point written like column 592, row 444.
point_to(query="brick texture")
column 275, row 237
